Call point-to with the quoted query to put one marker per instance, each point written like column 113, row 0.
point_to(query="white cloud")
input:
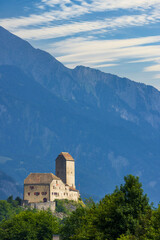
column 101, row 5
column 45, row 18
column 92, row 52
column 118, row 162
column 104, row 53
column 153, row 68
column 52, row 3
column 69, row 29
column 157, row 76
column 59, row 31
column 105, row 65
column 152, row 184
column 156, row 59
column 4, row 159
column 73, row 10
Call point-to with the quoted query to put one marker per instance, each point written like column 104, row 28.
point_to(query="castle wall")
column 61, row 168
column 70, row 173
column 43, row 206
column 36, row 192
column 58, row 190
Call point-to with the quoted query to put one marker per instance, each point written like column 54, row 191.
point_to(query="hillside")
column 109, row 124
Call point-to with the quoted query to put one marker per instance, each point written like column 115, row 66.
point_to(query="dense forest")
column 126, row 214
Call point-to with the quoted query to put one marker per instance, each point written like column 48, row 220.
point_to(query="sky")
column 121, row 37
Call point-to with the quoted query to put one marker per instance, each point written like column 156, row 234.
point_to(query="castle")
column 46, row 187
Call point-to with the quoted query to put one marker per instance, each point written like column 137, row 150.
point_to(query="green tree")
column 153, row 231
column 30, row 225
column 126, row 212
column 60, row 206
column 7, row 210
column 72, row 223
column 15, row 202
column 89, row 202
column 18, row 200
column 127, row 237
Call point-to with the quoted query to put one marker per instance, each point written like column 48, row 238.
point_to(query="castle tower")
column 65, row 168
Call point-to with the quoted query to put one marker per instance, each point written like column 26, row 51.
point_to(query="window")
column 31, row 187
column 55, row 193
column 44, row 193
column 36, row 193
column 28, row 193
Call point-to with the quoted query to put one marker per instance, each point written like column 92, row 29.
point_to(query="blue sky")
column 116, row 36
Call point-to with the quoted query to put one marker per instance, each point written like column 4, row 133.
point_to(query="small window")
column 31, row 187
column 36, row 193
column 29, row 193
column 55, row 193
column 44, row 193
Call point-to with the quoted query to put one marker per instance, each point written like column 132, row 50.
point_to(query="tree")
column 30, row 225
column 126, row 213
column 153, row 231
column 127, row 237
column 18, row 200
column 89, row 202
column 72, row 223
column 7, row 210
column 15, row 202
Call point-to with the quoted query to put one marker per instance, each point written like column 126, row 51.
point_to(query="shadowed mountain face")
column 8, row 187
column 109, row 124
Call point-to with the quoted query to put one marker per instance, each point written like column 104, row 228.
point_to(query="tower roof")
column 67, row 156
column 40, row 178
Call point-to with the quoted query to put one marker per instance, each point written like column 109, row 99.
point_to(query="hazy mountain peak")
column 46, row 108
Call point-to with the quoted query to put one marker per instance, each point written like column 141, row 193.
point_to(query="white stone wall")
column 58, row 190
column 70, row 173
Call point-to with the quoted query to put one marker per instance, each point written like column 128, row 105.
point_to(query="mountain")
column 109, row 124
column 11, row 189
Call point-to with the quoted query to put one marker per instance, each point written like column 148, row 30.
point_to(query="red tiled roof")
column 67, row 156
column 73, row 189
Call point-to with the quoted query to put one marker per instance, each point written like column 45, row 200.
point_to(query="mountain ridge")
column 109, row 124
